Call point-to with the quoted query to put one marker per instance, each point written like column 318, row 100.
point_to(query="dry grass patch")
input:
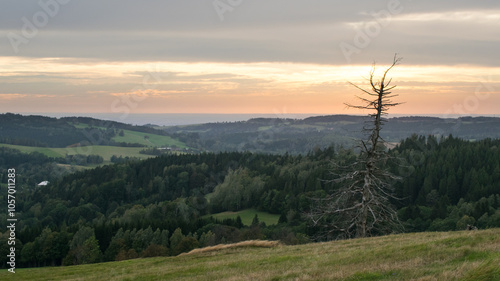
column 243, row 244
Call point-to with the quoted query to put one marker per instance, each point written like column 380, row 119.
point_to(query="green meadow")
column 148, row 139
column 151, row 140
column 465, row 255
column 51, row 152
column 105, row 151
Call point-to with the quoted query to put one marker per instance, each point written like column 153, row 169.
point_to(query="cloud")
column 254, row 31
column 12, row 96
column 149, row 93
column 45, row 96
column 90, row 53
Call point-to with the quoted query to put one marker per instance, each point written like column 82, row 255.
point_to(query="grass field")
column 248, row 215
column 472, row 255
column 152, row 140
column 51, row 152
column 105, row 151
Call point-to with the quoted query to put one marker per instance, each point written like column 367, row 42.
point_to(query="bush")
column 187, row 244
column 155, row 251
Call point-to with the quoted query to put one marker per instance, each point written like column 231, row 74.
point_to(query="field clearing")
column 81, row 125
column 465, row 255
column 50, row 152
column 152, row 140
column 247, row 216
column 105, row 151
column 307, row 126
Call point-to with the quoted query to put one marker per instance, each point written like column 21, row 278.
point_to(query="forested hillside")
column 41, row 131
column 278, row 135
column 261, row 135
column 449, row 185
column 162, row 206
column 38, row 131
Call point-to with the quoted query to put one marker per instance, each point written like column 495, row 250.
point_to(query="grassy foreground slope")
column 472, row 255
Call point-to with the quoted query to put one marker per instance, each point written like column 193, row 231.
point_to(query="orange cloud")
column 149, row 93
column 12, row 96
column 238, row 88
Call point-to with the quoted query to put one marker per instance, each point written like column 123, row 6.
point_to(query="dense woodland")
column 162, row 206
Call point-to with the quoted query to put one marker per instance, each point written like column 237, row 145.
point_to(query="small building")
column 43, row 183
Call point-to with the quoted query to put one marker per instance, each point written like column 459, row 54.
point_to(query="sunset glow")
column 172, row 87
column 205, row 62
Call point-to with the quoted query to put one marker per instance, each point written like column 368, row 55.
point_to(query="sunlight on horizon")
column 206, row 87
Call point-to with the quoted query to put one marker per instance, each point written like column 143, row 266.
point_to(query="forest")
column 164, row 205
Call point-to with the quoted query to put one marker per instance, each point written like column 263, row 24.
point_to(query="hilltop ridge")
column 280, row 135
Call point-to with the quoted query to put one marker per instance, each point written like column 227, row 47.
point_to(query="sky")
column 246, row 56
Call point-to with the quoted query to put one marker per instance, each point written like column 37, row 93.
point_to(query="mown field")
column 466, row 255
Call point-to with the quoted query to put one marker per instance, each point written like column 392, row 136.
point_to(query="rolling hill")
column 62, row 137
column 41, row 131
column 268, row 135
column 275, row 135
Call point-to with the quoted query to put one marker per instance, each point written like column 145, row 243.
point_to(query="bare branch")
column 361, row 207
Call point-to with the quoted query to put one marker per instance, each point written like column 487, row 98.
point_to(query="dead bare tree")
column 361, row 206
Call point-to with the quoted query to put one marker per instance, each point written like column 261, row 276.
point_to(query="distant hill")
column 274, row 135
column 38, row 131
column 41, row 131
column 268, row 135
column 469, row 128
